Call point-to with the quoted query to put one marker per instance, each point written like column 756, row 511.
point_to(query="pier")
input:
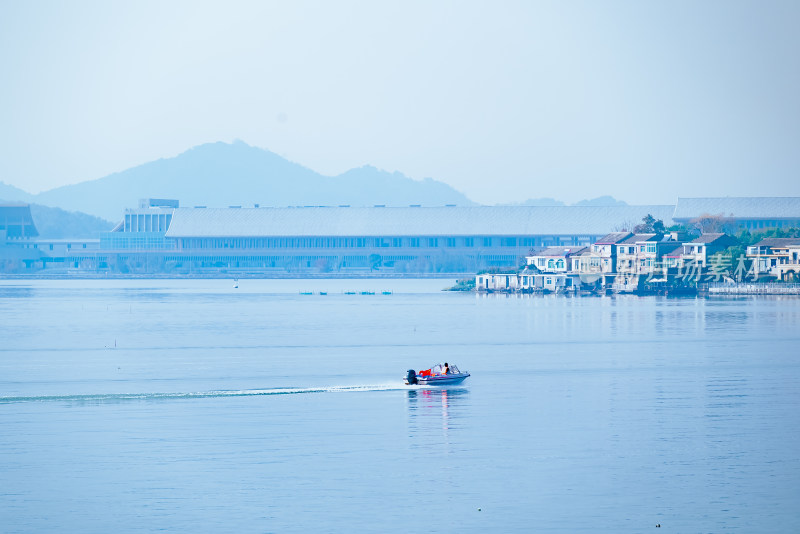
column 751, row 289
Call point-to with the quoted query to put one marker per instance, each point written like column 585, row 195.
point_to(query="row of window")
column 357, row 242
column 188, row 256
column 155, row 222
column 293, row 261
column 646, row 247
column 550, row 263
column 135, row 241
column 50, row 246
column 756, row 225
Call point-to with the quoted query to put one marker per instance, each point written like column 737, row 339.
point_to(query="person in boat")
column 446, row 369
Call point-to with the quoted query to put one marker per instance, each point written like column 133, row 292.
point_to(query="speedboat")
column 438, row 375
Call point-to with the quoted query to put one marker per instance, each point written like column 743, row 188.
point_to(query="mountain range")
column 224, row 174
column 599, row 201
column 237, row 174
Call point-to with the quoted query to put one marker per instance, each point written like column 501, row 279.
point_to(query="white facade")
column 605, row 253
column 554, row 259
column 641, row 254
column 524, row 281
column 779, row 257
column 498, row 282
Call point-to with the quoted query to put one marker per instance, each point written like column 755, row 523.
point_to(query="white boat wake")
column 120, row 397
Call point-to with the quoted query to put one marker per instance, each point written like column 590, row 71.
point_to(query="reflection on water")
column 431, row 399
column 15, row 292
column 435, row 412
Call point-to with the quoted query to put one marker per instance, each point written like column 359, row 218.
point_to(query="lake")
column 194, row 406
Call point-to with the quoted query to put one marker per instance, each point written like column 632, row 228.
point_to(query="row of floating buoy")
column 346, row 292
column 385, row 292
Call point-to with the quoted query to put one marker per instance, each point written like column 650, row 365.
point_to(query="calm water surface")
column 134, row 406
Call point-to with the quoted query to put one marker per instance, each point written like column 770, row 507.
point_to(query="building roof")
column 774, row 242
column 709, row 238
column 676, row 252
column 560, row 251
column 738, row 207
column 637, row 238
column 613, row 238
column 411, row 221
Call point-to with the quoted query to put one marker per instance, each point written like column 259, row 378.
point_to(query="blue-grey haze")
column 194, row 406
column 573, row 99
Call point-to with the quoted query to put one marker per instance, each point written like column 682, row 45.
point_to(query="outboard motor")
column 411, row 378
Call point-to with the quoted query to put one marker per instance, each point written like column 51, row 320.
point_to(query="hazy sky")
column 504, row 101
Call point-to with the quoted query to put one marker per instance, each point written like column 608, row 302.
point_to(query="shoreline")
column 233, row 276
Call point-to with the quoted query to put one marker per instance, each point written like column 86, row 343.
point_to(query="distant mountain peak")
column 542, row 202
column 10, row 193
column 222, row 174
column 604, row 200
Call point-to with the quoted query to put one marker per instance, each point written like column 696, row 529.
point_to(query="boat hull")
column 441, row 380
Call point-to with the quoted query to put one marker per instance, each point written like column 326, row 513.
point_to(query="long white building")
column 410, row 239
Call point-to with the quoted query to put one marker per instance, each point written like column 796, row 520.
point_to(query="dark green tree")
column 650, row 226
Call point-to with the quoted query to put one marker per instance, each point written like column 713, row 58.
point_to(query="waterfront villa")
column 606, row 250
column 646, row 260
column 554, row 259
column 700, row 249
column 501, row 282
column 640, row 253
column 776, row 256
column 673, row 259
